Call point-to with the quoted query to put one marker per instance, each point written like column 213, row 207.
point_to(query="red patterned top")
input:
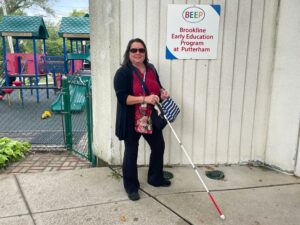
column 143, row 123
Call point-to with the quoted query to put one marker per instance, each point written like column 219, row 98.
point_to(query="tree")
column 78, row 13
column 54, row 42
column 14, row 7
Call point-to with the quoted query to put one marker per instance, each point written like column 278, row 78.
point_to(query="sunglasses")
column 135, row 50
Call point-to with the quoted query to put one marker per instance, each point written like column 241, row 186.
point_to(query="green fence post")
column 67, row 112
column 94, row 158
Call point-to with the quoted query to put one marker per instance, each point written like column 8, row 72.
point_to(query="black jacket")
column 123, row 83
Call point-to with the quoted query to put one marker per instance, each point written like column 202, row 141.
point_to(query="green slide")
column 77, row 97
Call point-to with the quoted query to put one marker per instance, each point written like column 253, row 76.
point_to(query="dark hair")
column 126, row 60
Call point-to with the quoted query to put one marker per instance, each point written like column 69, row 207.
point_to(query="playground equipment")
column 8, row 92
column 77, row 31
column 77, row 94
column 33, row 66
column 20, row 65
column 18, row 84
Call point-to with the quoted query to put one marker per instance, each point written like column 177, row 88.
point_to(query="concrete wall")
column 225, row 102
column 284, row 122
column 104, row 52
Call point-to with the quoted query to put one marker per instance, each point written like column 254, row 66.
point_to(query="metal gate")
column 77, row 109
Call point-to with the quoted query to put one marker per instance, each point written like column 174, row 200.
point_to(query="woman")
column 133, row 120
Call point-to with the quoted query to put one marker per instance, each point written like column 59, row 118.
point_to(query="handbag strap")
column 141, row 81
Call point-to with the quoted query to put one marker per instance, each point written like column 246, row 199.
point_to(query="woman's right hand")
column 163, row 94
column 152, row 99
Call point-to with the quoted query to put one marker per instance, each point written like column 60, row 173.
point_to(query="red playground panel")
column 78, row 65
column 28, row 60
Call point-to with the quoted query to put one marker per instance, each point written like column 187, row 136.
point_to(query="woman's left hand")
column 163, row 94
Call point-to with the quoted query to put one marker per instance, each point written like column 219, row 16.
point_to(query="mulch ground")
column 36, row 162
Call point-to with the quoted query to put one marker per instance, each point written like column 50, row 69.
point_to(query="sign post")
column 192, row 31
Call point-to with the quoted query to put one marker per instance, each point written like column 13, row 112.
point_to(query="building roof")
column 75, row 27
column 23, row 26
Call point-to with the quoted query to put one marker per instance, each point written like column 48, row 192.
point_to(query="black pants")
column 155, row 172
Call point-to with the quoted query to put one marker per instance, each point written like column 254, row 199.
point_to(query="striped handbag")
column 167, row 109
column 170, row 109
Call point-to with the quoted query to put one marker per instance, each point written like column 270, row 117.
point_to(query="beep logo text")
column 193, row 14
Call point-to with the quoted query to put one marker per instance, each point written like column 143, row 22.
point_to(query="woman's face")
column 137, row 53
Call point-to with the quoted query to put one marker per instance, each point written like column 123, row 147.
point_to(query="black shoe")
column 164, row 183
column 134, row 196
column 167, row 175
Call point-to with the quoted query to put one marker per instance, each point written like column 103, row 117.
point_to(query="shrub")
column 12, row 151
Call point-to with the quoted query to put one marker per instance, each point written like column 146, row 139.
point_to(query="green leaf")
column 9, row 151
column 4, row 140
column 3, row 159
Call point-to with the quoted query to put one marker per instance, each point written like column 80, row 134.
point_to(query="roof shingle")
column 78, row 27
column 24, row 26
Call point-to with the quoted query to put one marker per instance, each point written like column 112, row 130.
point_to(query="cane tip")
column 222, row 217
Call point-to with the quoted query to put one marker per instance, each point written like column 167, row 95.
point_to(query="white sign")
column 192, row 31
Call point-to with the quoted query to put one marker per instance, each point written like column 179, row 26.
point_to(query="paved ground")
column 247, row 196
column 46, row 162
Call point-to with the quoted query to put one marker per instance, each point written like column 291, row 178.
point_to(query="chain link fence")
column 22, row 118
column 49, row 118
